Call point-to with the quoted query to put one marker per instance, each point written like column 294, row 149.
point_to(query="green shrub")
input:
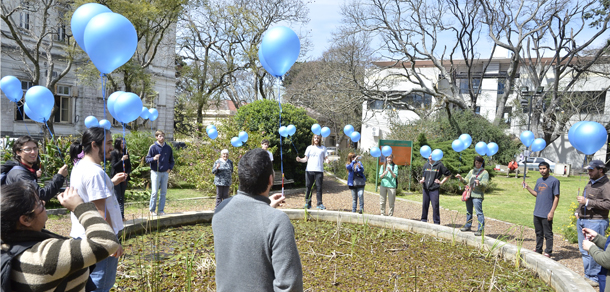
column 138, row 143
column 262, row 117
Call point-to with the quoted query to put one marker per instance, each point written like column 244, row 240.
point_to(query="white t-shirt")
column 270, row 155
column 316, row 156
column 92, row 184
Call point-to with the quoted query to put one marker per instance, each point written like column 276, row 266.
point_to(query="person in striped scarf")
column 54, row 261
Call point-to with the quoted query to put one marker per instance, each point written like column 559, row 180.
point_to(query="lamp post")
column 527, row 97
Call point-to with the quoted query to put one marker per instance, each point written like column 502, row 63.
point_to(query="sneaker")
column 153, row 214
column 464, row 229
column 307, row 206
column 478, row 233
column 591, row 282
column 321, row 207
column 360, row 212
column 162, row 214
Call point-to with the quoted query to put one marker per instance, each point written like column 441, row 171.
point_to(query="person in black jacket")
column 25, row 165
column 431, row 184
column 119, row 160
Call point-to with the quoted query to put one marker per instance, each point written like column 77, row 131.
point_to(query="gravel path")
column 338, row 197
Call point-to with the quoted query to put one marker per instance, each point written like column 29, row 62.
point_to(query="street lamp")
column 526, row 97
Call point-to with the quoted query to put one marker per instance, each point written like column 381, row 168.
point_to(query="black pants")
column 430, row 197
column 222, row 193
column 310, row 177
column 119, row 192
column 544, row 230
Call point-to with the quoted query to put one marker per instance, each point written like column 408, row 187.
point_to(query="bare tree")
column 38, row 31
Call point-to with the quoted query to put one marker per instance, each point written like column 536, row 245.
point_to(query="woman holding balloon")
column 119, row 161
column 223, row 171
column 389, row 181
column 356, row 180
column 477, row 180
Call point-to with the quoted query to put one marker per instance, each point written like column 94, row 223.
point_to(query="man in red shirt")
column 513, row 167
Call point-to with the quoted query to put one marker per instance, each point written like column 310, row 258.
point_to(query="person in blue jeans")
column 161, row 159
column 355, row 169
column 477, row 179
column 594, row 204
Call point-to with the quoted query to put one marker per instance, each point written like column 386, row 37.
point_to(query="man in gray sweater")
column 253, row 242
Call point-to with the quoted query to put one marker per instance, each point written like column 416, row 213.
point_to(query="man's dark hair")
column 254, row 170
column 479, row 159
column 16, row 199
column 94, row 134
column 265, row 141
column 19, row 143
column 544, row 163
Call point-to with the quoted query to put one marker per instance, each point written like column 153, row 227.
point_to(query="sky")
column 325, row 16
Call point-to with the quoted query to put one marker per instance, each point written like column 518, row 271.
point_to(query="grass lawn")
column 509, row 202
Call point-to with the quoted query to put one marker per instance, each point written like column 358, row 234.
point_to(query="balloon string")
column 103, row 94
column 24, row 123
column 124, row 141
column 295, row 147
column 53, row 139
column 279, row 102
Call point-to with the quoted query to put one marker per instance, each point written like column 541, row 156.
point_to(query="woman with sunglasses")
column 54, row 261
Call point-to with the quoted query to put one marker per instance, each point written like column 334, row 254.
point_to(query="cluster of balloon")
column 279, row 49
column 125, row 107
column 425, row 151
column 212, row 132
column 353, row 135
column 108, row 38
column 92, row 122
column 316, row 129
column 241, row 138
column 588, row 136
column 528, row 139
column 11, row 86
column 286, row 131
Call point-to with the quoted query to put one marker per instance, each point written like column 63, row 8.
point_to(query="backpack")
column 5, row 174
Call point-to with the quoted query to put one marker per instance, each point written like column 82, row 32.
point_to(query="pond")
column 335, row 256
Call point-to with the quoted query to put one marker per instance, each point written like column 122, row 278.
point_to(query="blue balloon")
column 154, row 114
column 386, row 150
column 590, row 137
column 348, row 130
column 212, row 133
column 235, row 142
column 210, row 127
column 481, row 148
column 315, row 128
column 527, row 138
column 538, row 145
column 11, row 86
column 283, row 131
column 355, row 136
column 105, row 124
column 81, row 18
column 32, row 115
column 457, row 145
column 325, row 132
column 144, row 113
column 41, row 101
column 425, row 151
column 466, row 139
column 437, row 154
column 280, row 48
column 291, row 130
column 111, row 40
column 573, row 130
column 127, row 107
column 243, row 136
column 261, row 59
column 375, row 152
column 91, row 122
column 110, row 103
column 492, row 148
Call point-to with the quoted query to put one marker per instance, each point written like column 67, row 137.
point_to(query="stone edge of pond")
column 552, row 273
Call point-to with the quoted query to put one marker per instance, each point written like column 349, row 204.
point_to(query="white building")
column 376, row 118
column 76, row 101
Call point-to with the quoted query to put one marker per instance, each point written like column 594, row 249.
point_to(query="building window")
column 62, row 104
column 501, row 84
column 507, row 115
column 24, row 19
column 63, row 90
column 375, row 104
column 418, row 100
column 476, row 86
column 592, row 102
column 477, row 110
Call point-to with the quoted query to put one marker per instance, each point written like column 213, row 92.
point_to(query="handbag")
column 468, row 189
column 359, row 180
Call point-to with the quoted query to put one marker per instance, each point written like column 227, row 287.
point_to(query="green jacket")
column 600, row 255
column 477, row 191
column 388, row 180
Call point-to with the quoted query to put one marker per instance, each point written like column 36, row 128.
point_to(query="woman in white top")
column 315, row 156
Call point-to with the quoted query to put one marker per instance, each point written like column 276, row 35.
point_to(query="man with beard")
column 94, row 185
column 25, row 166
